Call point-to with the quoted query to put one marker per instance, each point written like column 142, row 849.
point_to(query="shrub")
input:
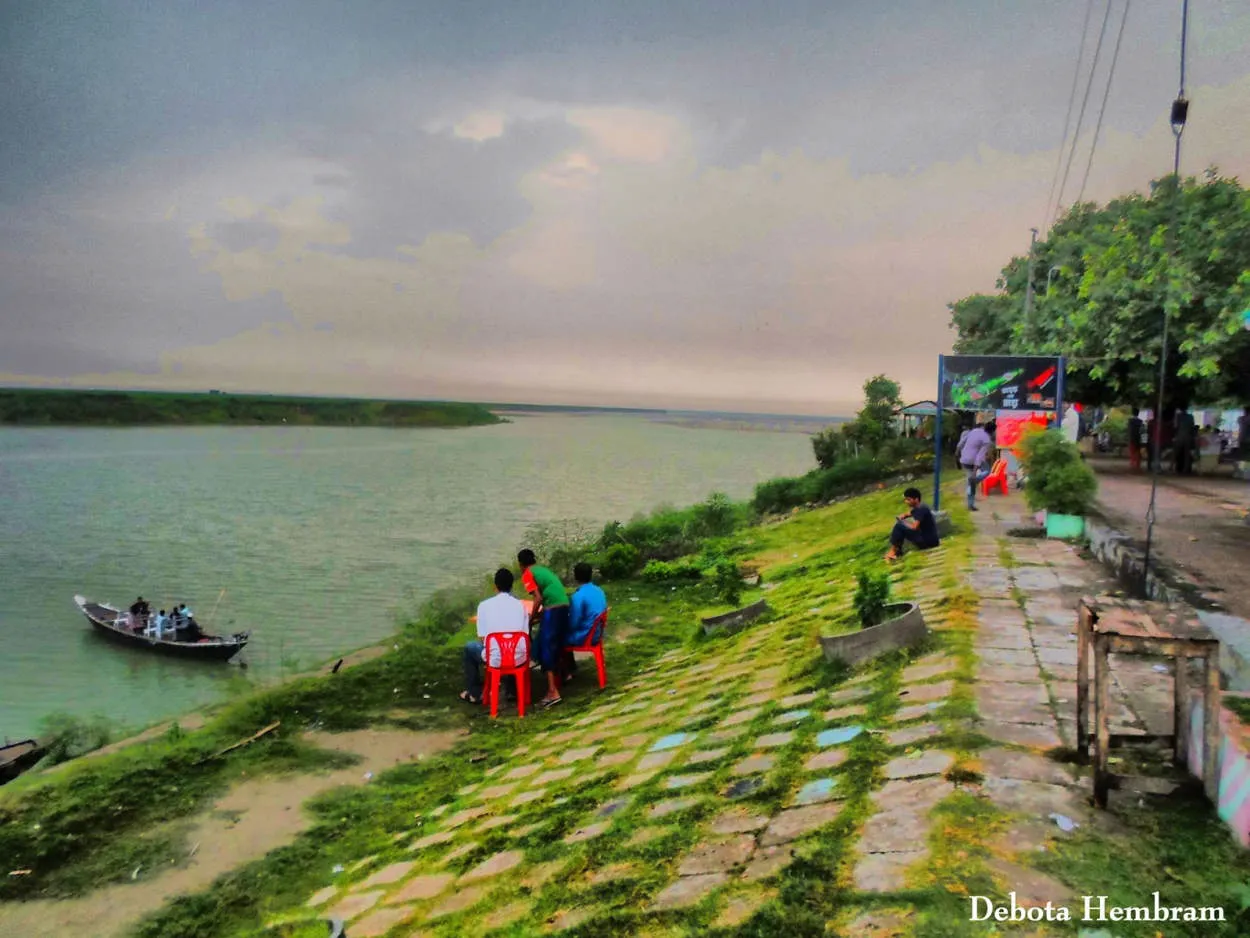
column 777, row 495
column 715, row 517
column 1116, row 427
column 726, row 580
column 664, row 535
column 871, row 597
column 560, row 544
column 619, row 561
column 1059, row 481
column 662, row 571
column 829, row 446
column 68, row 737
column 848, row 476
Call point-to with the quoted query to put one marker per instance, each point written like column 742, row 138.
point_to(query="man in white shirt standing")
column 503, row 612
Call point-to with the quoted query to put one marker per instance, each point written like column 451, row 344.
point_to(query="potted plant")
column 884, row 626
column 1059, row 482
column 872, row 595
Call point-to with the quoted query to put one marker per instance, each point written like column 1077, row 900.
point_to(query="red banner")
column 1011, row 426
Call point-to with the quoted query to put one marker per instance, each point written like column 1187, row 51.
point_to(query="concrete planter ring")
column 904, row 627
column 731, row 622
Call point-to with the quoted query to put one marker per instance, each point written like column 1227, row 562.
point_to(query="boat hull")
column 209, row 648
column 16, row 758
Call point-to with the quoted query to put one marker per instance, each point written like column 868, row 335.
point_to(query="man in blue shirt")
column 585, row 605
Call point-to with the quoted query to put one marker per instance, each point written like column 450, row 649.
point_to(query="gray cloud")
column 756, row 203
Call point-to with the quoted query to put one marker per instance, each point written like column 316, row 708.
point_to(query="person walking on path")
column 551, row 603
column 972, row 457
column 1183, row 442
column 1135, row 429
column 1243, row 437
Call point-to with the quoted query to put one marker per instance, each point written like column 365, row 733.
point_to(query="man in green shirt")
column 551, row 605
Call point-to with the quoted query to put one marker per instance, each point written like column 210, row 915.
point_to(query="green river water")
column 321, row 537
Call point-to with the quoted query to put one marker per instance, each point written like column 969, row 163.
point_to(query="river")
column 321, row 537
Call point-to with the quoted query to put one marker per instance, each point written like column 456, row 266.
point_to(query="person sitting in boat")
column 187, row 628
column 159, row 624
column 176, row 620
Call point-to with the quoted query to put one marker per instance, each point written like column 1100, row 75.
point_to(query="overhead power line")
column 1080, row 119
column 1115, row 57
column 1067, row 118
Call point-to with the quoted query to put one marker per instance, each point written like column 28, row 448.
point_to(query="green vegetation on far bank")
column 38, row 407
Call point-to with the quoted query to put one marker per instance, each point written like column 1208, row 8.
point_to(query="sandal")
column 469, row 698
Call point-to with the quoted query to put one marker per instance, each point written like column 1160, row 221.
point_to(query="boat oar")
column 212, row 614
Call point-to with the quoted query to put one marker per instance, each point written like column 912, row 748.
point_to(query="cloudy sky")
column 736, row 205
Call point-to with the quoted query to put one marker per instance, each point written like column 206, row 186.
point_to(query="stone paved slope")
column 740, row 787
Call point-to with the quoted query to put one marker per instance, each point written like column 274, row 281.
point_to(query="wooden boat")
column 112, row 624
column 16, row 758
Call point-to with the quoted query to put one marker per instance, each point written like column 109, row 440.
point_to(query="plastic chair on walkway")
column 507, row 647
column 997, row 479
column 594, row 646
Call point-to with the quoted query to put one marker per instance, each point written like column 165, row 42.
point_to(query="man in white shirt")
column 503, row 612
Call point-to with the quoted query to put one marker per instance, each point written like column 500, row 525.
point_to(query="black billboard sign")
column 1001, row 382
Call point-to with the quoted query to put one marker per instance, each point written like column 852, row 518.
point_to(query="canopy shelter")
column 913, row 416
column 992, row 384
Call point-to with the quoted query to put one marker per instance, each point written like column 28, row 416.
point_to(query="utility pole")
column 1180, row 112
column 1028, row 294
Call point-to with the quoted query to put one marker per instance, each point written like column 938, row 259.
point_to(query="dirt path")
column 1200, row 527
column 246, row 823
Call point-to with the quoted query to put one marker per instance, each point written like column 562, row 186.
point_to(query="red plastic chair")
column 997, row 479
column 594, row 646
column 506, row 644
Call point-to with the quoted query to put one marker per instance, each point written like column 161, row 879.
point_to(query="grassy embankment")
column 87, row 827
column 33, row 407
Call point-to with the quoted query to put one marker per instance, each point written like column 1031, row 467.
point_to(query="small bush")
column 726, row 580
column 662, row 571
column 1059, row 481
column 847, row 476
column 777, row 495
column 561, row 544
column 619, row 561
column 68, row 737
column 715, row 517
column 872, row 595
column 664, row 535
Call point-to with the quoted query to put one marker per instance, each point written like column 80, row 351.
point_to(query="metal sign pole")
column 937, row 437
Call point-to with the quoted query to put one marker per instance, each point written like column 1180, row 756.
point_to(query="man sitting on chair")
column 503, row 612
column 585, row 606
column 916, row 526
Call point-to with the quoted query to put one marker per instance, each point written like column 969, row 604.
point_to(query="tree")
column 1111, row 272
column 871, row 429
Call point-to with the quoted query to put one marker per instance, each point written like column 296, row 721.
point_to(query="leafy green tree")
column 872, row 428
column 1104, row 277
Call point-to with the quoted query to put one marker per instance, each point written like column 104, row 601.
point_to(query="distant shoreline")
column 37, row 407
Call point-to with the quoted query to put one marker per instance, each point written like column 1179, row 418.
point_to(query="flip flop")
column 469, row 698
